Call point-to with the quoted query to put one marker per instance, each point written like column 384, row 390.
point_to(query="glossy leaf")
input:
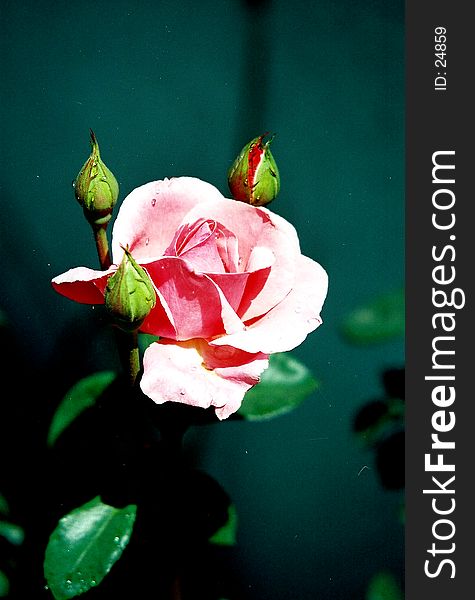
column 85, row 545
column 226, row 535
column 383, row 586
column 283, row 386
column 81, row 396
column 379, row 321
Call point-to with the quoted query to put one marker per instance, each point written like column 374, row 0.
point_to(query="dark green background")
column 177, row 88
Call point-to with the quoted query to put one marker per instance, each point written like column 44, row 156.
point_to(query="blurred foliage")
column 383, row 586
column 226, row 535
column 4, row 585
column 380, row 320
column 379, row 424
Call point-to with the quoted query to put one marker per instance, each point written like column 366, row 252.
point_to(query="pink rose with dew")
column 231, row 283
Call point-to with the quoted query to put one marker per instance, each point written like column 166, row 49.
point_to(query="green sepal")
column 129, row 295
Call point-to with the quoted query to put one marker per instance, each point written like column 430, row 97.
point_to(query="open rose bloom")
column 232, row 288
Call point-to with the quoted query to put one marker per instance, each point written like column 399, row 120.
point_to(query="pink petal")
column 196, row 243
column 257, row 227
column 232, row 286
column 196, row 374
column 150, row 215
column 241, row 288
column 83, row 285
column 288, row 324
column 160, row 319
column 197, row 306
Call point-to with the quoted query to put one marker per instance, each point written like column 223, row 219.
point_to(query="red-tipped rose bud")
column 96, row 188
column 129, row 295
column 253, row 177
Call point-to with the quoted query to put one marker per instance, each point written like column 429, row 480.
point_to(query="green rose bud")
column 129, row 295
column 254, row 177
column 96, row 188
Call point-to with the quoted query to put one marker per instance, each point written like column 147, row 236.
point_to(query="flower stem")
column 127, row 344
column 102, row 245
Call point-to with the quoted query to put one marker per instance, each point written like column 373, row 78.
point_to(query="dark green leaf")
column 226, row 535
column 283, row 386
column 392, row 419
column 3, row 319
column 4, row 585
column 85, row 545
column 379, row 321
column 3, row 505
column 13, row 533
column 145, row 339
column 81, row 396
column 383, row 586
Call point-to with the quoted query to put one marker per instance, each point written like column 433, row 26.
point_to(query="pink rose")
column 232, row 288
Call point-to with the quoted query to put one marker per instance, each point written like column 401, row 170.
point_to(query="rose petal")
column 241, row 288
column 83, row 285
column 257, row 227
column 197, row 305
column 150, row 215
column 288, row 324
column 196, row 243
column 196, row 374
column 160, row 319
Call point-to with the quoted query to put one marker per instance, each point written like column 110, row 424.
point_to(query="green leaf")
column 81, row 396
column 283, row 386
column 383, row 586
column 226, row 535
column 379, row 321
column 11, row 532
column 145, row 339
column 85, row 545
column 4, row 585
